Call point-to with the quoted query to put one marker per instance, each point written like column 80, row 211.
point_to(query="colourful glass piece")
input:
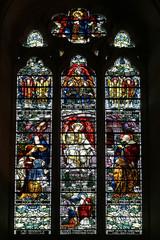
column 33, row 67
column 61, row 53
column 78, row 26
column 122, row 92
column 124, row 218
column 34, row 86
column 122, row 86
column 96, row 52
column 122, row 39
column 35, row 39
column 78, row 84
column 78, row 213
column 122, row 67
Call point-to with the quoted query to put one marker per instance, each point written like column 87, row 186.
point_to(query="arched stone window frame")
column 13, row 62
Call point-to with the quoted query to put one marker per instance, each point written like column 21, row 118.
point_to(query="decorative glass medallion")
column 78, row 26
column 35, row 39
column 122, row 39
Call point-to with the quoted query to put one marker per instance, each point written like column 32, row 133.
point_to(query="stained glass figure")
column 34, row 85
column 35, row 39
column 123, row 150
column 78, row 84
column 33, row 149
column 78, row 149
column 122, row 39
column 78, row 26
column 122, row 86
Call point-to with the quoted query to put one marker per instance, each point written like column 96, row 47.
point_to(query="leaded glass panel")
column 78, row 26
column 78, row 149
column 122, row 40
column 123, row 149
column 33, row 163
column 35, row 39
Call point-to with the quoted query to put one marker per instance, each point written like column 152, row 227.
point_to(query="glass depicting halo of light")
column 123, row 149
column 122, row 40
column 78, row 26
column 78, row 185
column 32, row 214
column 35, row 39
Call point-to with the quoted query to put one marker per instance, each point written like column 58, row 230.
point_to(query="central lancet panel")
column 78, row 149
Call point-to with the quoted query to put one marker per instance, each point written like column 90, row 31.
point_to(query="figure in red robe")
column 85, row 209
column 130, row 150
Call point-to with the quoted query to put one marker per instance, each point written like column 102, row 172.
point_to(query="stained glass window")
column 122, row 39
column 35, row 39
column 33, row 149
column 123, row 149
column 78, row 149
column 78, row 26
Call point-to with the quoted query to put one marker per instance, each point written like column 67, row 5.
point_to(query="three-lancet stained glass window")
column 78, row 26
column 33, row 149
column 78, row 138
column 123, row 149
column 78, row 149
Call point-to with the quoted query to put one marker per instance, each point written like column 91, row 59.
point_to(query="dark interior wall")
column 142, row 20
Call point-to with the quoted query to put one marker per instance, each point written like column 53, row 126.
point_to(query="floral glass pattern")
column 33, row 149
column 78, row 26
column 123, row 149
column 78, row 149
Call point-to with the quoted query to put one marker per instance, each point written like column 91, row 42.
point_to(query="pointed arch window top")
column 78, row 67
column 34, row 66
column 122, row 40
column 122, row 66
column 35, row 39
column 78, row 26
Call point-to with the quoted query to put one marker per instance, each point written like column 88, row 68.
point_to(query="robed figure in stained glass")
column 129, row 149
column 80, row 212
column 78, row 83
column 78, row 26
column 123, row 181
column 34, row 160
column 43, row 90
column 78, row 146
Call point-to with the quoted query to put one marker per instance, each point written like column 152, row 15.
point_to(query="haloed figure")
column 78, row 149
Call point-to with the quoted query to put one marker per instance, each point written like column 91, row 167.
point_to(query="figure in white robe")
column 78, row 149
